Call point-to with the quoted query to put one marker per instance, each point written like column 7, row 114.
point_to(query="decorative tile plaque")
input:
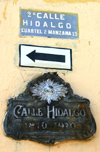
column 48, row 24
column 48, row 112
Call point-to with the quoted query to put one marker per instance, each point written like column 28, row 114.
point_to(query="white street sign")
column 45, row 57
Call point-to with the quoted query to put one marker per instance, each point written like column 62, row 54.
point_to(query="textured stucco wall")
column 84, row 79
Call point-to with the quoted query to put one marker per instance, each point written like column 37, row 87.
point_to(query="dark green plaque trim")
column 49, row 112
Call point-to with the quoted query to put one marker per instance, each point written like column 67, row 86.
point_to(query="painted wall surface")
column 84, row 78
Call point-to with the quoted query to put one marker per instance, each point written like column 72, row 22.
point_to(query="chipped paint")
column 15, row 1
column 4, row 12
column 89, row 43
column 71, row 1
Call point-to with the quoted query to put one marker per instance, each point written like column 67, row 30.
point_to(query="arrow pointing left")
column 45, row 57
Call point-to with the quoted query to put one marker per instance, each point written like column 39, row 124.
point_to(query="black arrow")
column 47, row 57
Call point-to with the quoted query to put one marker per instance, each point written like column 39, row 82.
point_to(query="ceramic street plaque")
column 48, row 112
column 48, row 24
column 45, row 57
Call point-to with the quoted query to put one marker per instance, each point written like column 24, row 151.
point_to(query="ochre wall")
column 84, row 78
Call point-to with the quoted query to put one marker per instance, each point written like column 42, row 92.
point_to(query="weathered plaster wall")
column 84, row 79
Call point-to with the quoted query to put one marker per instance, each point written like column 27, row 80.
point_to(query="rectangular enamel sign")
column 45, row 57
column 51, row 25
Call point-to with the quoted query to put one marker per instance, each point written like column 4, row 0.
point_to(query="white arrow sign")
column 45, row 57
